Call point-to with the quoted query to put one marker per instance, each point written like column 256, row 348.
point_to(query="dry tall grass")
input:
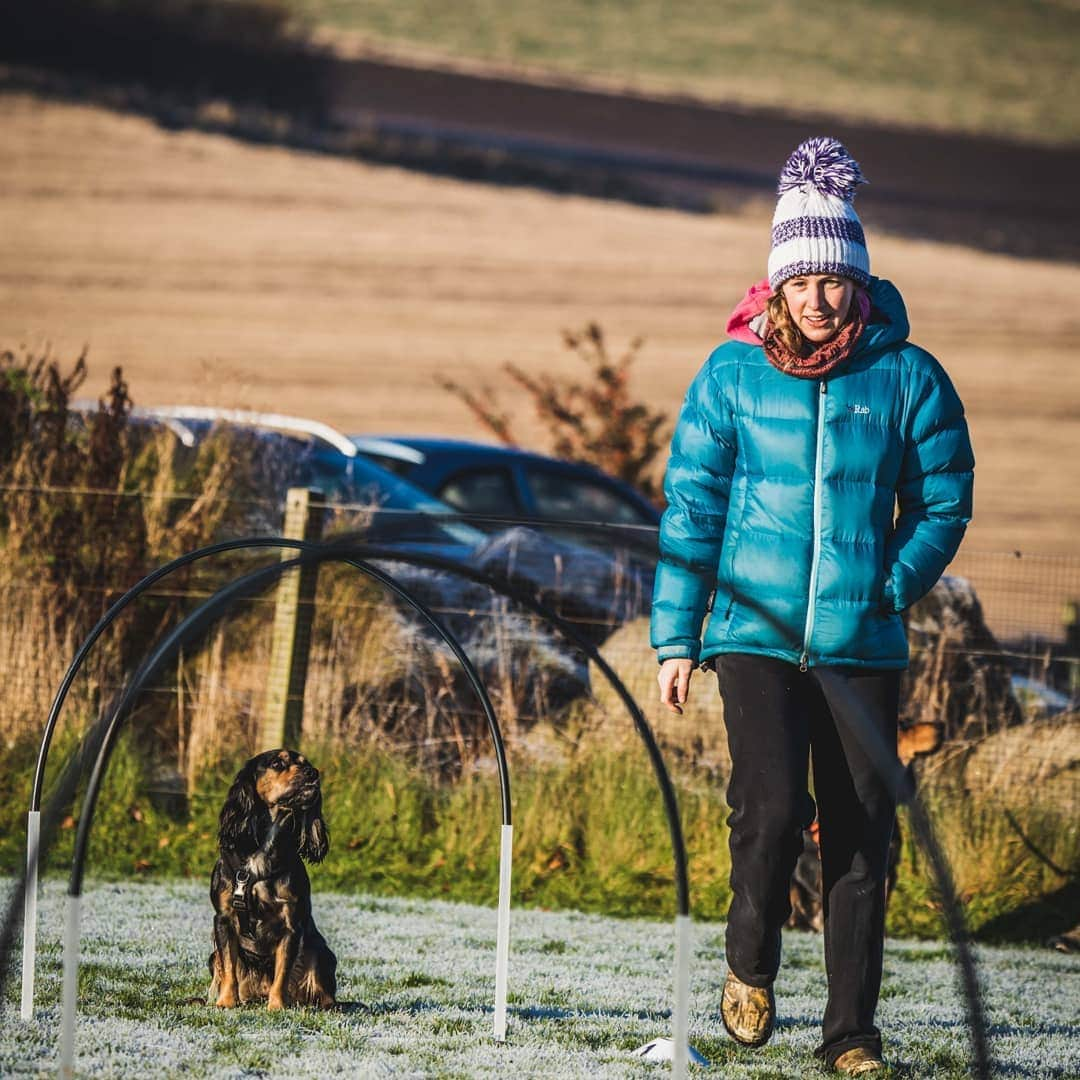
column 36, row 651
column 90, row 503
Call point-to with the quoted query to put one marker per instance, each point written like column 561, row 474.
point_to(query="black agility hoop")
column 192, row 626
column 103, row 737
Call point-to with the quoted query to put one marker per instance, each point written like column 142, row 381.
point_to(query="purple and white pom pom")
column 824, row 164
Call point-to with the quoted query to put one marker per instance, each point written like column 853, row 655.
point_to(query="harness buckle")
column 240, row 893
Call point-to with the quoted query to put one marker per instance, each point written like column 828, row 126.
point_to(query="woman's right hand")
column 674, row 680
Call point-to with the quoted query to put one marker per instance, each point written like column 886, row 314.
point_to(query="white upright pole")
column 502, row 934
column 29, row 944
column 681, row 1012
column 71, row 988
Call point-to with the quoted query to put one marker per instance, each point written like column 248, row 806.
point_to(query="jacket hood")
column 886, row 320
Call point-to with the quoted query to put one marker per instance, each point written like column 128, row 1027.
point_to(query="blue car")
column 505, row 482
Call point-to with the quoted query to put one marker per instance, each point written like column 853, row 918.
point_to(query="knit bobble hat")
column 815, row 227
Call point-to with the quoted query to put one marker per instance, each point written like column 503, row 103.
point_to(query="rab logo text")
column 859, row 410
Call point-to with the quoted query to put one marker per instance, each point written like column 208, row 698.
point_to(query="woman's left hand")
column 674, row 680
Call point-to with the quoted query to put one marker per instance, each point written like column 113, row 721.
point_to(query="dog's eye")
column 278, row 764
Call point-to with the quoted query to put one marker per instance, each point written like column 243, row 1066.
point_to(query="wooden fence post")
column 293, row 613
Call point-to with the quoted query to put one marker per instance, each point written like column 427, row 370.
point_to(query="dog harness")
column 241, row 880
column 244, row 882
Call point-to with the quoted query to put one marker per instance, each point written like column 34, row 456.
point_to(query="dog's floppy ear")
column 238, row 813
column 314, row 841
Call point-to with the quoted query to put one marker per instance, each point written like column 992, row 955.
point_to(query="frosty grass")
column 417, row 982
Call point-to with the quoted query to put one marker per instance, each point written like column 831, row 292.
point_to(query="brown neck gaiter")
column 825, row 358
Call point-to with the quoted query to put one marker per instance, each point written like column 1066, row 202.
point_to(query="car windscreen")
column 398, row 509
column 366, row 497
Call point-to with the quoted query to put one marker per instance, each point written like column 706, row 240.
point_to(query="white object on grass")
column 664, row 1050
column 71, row 987
column 677, row 1049
column 29, row 951
column 681, row 1013
column 502, row 934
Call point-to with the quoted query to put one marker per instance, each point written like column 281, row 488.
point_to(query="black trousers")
column 778, row 720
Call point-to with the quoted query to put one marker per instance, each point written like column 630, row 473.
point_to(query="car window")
column 481, row 491
column 569, row 499
column 391, row 464
column 403, row 511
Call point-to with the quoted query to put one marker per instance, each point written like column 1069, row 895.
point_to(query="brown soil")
column 222, row 273
column 989, row 192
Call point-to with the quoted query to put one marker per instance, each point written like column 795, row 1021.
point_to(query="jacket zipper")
column 804, row 660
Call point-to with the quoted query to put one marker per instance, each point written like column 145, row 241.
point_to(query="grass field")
column 226, row 274
column 417, row 980
column 1003, row 68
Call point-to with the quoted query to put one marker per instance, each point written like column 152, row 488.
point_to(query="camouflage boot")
column 748, row 1012
column 858, row 1062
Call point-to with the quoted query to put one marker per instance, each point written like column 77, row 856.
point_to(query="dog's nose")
column 310, row 771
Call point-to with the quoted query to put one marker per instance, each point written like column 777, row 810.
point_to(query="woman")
column 797, row 442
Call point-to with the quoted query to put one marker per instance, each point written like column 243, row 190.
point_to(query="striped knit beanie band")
column 815, row 227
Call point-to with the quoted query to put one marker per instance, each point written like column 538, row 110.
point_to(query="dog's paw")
column 275, row 1003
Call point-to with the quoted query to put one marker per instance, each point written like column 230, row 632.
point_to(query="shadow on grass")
column 1049, row 915
column 549, row 1012
column 1027, row 1030
column 1048, row 1071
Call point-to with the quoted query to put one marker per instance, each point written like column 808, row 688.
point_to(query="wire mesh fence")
column 1029, row 600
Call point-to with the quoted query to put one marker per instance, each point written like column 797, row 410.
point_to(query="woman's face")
column 818, row 303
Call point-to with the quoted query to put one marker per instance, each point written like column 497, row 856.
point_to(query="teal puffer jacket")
column 782, row 497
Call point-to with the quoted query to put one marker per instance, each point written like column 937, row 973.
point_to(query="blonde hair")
column 781, row 321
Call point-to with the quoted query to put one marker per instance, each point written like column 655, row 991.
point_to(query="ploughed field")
column 229, row 274
column 901, row 64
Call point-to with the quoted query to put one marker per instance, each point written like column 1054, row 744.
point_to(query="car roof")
column 414, row 448
column 417, row 449
column 175, row 415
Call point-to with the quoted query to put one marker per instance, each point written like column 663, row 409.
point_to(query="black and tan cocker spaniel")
column 266, row 944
